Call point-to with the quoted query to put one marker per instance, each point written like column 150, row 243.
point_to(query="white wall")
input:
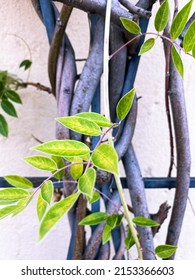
column 18, row 238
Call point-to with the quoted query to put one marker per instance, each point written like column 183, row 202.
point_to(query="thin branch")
column 136, row 10
column 37, row 85
column 56, row 43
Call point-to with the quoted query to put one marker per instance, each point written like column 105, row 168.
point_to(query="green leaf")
column 21, row 205
column 47, row 191
column 142, row 221
column 129, row 241
column 193, row 51
column 8, row 107
column 106, row 235
column 3, row 126
column 42, row 162
column 95, row 197
column 130, row 26
column 94, row 218
column 7, row 211
column 13, row 194
column 7, row 202
column 165, row 251
column 112, row 221
column 63, row 148
column 19, row 181
column 76, row 170
column 147, row 45
column 13, row 96
column 26, row 64
column 162, row 16
column 177, row 61
column 60, row 164
column 55, row 213
column 124, row 104
column 106, row 158
column 180, row 21
column 95, row 117
column 80, row 125
column 41, row 207
column 189, row 38
column 120, row 218
column 87, row 181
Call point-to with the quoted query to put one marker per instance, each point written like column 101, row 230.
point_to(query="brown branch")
column 37, row 85
column 160, row 216
column 56, row 44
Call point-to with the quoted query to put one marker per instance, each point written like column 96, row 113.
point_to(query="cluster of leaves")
column 177, row 26
column 83, row 166
column 9, row 85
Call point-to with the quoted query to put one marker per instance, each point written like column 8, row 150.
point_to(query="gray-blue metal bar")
column 150, row 183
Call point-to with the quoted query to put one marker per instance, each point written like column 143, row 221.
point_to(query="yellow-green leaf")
column 87, row 181
column 193, row 51
column 64, row 148
column 95, row 117
column 80, row 125
column 47, row 191
column 60, row 164
column 189, row 38
column 106, row 158
column 177, row 60
column 41, row 207
column 55, row 213
column 124, row 104
column 162, row 16
column 41, row 162
column 22, row 204
column 147, row 45
column 76, row 170
column 13, row 194
column 94, row 218
column 130, row 25
column 142, row 221
column 18, row 181
column 165, row 251
column 95, row 197
column 180, row 20
column 106, row 235
column 7, row 211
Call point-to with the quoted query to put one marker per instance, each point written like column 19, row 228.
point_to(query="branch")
column 37, row 85
column 177, row 98
column 96, row 238
column 56, row 43
column 136, row 188
column 117, row 68
column 99, row 7
column 90, row 76
column 136, row 10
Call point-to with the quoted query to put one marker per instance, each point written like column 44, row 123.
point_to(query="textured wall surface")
column 18, row 236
